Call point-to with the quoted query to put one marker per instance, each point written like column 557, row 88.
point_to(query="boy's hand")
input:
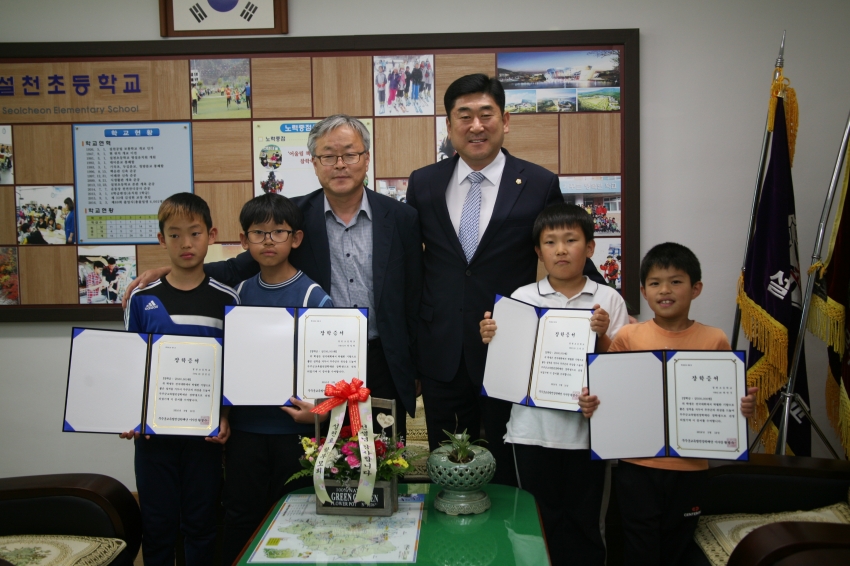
column 300, row 413
column 132, row 434
column 223, row 431
column 748, row 403
column 587, row 402
column 142, row 281
column 487, row 327
column 600, row 320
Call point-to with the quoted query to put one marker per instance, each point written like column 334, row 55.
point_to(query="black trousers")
column 568, row 487
column 380, row 383
column 660, row 510
column 256, row 469
column 457, row 405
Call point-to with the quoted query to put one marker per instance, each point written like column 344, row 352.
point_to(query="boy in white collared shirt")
column 551, row 447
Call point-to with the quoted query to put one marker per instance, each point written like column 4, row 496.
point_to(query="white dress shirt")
column 459, row 186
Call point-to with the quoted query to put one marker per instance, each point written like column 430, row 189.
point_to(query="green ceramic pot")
column 462, row 483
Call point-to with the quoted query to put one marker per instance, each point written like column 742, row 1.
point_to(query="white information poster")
column 123, row 172
column 282, row 162
column 184, row 393
column 332, row 346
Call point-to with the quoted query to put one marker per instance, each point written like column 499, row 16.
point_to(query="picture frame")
column 238, row 15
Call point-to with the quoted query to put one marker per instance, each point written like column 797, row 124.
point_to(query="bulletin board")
column 246, row 107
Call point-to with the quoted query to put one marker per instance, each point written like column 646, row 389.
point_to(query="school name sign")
column 94, row 91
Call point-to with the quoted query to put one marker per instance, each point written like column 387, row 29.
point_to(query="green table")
column 509, row 533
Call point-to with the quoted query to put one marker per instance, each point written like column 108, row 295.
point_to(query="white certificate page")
column 560, row 366
column 332, row 346
column 510, row 353
column 629, row 422
column 184, row 392
column 259, row 356
column 704, row 391
column 106, row 381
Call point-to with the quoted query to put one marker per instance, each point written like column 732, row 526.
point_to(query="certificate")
column 687, row 404
column 274, row 353
column 538, row 355
column 151, row 383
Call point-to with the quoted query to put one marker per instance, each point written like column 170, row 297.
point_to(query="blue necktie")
column 468, row 232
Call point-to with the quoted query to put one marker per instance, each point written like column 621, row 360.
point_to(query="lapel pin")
column 519, row 181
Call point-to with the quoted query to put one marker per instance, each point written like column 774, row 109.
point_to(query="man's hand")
column 587, row 402
column 300, row 413
column 223, row 431
column 487, row 327
column 142, row 281
column 132, row 434
column 748, row 403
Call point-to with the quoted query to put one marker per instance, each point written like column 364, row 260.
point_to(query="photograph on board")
column 9, row 292
column 600, row 196
column 608, row 259
column 282, row 162
column 103, row 273
column 393, row 188
column 445, row 149
column 605, row 99
column 7, row 167
column 221, row 88
column 559, row 69
column 45, row 215
column 521, row 101
column 403, row 84
column 556, row 100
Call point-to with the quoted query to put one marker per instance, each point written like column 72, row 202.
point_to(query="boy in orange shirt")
column 660, row 497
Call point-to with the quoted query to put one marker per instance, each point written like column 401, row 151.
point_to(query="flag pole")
column 765, row 145
column 789, row 394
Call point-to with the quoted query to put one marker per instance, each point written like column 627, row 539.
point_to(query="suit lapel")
column 441, row 185
column 382, row 234
column 316, row 238
column 509, row 191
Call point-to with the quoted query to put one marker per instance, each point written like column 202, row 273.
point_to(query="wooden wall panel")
column 281, row 87
column 171, row 98
column 225, row 200
column 531, row 138
column 448, row 68
column 222, row 150
column 150, row 257
column 48, row 275
column 44, row 155
column 8, row 223
column 590, row 143
column 342, row 85
column 403, row 145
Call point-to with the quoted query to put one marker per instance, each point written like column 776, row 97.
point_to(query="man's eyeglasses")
column 347, row 158
column 259, row 236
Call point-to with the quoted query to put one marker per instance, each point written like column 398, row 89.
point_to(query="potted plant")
column 462, row 468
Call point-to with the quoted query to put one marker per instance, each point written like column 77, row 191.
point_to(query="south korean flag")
column 192, row 15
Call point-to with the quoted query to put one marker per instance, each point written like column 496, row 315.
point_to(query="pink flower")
column 334, row 470
column 348, row 447
column 352, row 461
column 399, row 444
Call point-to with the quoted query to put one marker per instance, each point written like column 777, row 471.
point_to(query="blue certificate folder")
column 274, row 353
column 682, row 404
column 537, row 357
column 153, row 383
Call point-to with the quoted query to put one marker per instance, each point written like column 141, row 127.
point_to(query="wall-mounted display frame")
column 193, row 18
column 296, row 80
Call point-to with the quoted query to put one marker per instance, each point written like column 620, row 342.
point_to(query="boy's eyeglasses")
column 347, row 158
column 259, row 236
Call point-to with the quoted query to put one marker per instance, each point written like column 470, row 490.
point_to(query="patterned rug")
column 417, row 442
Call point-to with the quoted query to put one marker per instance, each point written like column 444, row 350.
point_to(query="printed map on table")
column 298, row 534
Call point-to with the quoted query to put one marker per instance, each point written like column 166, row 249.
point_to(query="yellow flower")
column 308, row 445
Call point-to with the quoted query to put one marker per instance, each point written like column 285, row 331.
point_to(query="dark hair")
column 271, row 207
column 673, row 255
column 563, row 215
column 184, row 204
column 98, row 264
column 474, row 84
column 70, row 202
column 111, row 261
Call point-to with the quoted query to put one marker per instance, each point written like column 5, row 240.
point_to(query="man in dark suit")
column 461, row 281
column 364, row 249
